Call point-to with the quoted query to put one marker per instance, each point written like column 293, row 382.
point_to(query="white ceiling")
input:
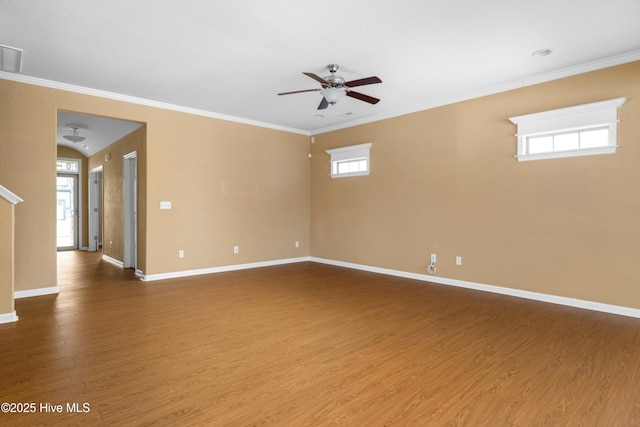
column 100, row 132
column 231, row 58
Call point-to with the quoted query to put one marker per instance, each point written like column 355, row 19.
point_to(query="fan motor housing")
column 335, row 80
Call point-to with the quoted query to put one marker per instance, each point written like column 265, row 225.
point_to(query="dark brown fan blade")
column 323, row 104
column 318, row 79
column 299, row 91
column 363, row 97
column 362, row 82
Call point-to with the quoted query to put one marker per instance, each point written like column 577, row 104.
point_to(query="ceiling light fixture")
column 333, row 94
column 74, row 137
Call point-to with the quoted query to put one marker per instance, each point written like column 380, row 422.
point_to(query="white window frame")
column 78, row 162
column 597, row 115
column 351, row 153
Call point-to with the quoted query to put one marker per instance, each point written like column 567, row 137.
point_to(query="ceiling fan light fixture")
column 74, row 137
column 333, row 94
column 334, row 87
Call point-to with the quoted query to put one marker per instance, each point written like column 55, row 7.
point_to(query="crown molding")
column 493, row 89
column 36, row 81
column 488, row 90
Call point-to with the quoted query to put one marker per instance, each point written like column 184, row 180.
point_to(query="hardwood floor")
column 310, row 344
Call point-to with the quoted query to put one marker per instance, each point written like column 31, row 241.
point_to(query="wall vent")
column 10, row 59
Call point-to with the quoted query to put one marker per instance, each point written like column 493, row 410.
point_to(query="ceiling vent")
column 10, row 59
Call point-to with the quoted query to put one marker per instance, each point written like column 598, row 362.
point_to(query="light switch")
column 165, row 205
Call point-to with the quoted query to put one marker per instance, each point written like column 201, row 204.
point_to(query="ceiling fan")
column 335, row 87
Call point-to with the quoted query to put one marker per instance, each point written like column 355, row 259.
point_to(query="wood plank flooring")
column 310, row 345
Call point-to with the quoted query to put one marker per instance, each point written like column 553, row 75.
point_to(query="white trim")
column 36, row 292
column 130, row 165
column 94, row 204
column 569, row 153
column 20, row 78
column 536, row 296
column 112, row 260
column 9, row 196
column 580, row 115
column 554, row 299
column 349, row 153
column 491, row 90
column 8, row 317
column 79, row 208
column 603, row 114
column 224, row 268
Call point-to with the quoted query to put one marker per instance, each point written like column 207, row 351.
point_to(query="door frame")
column 78, row 195
column 95, row 207
column 130, row 210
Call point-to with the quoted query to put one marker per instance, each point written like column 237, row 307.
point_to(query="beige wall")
column 28, row 168
column 230, row 184
column 445, row 181
column 70, row 153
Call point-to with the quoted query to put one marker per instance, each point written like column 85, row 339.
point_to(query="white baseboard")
column 36, row 292
column 185, row 273
column 571, row 302
column 113, row 260
column 8, row 317
column 554, row 299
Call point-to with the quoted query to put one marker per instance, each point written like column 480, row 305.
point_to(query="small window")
column 350, row 161
column 68, row 165
column 575, row 131
column 583, row 139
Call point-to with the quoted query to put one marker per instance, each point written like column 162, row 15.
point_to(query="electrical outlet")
column 181, row 253
column 297, row 244
column 458, row 260
column 433, row 257
column 236, row 249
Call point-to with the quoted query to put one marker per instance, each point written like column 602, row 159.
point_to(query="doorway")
column 67, row 211
column 68, row 219
column 111, row 191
